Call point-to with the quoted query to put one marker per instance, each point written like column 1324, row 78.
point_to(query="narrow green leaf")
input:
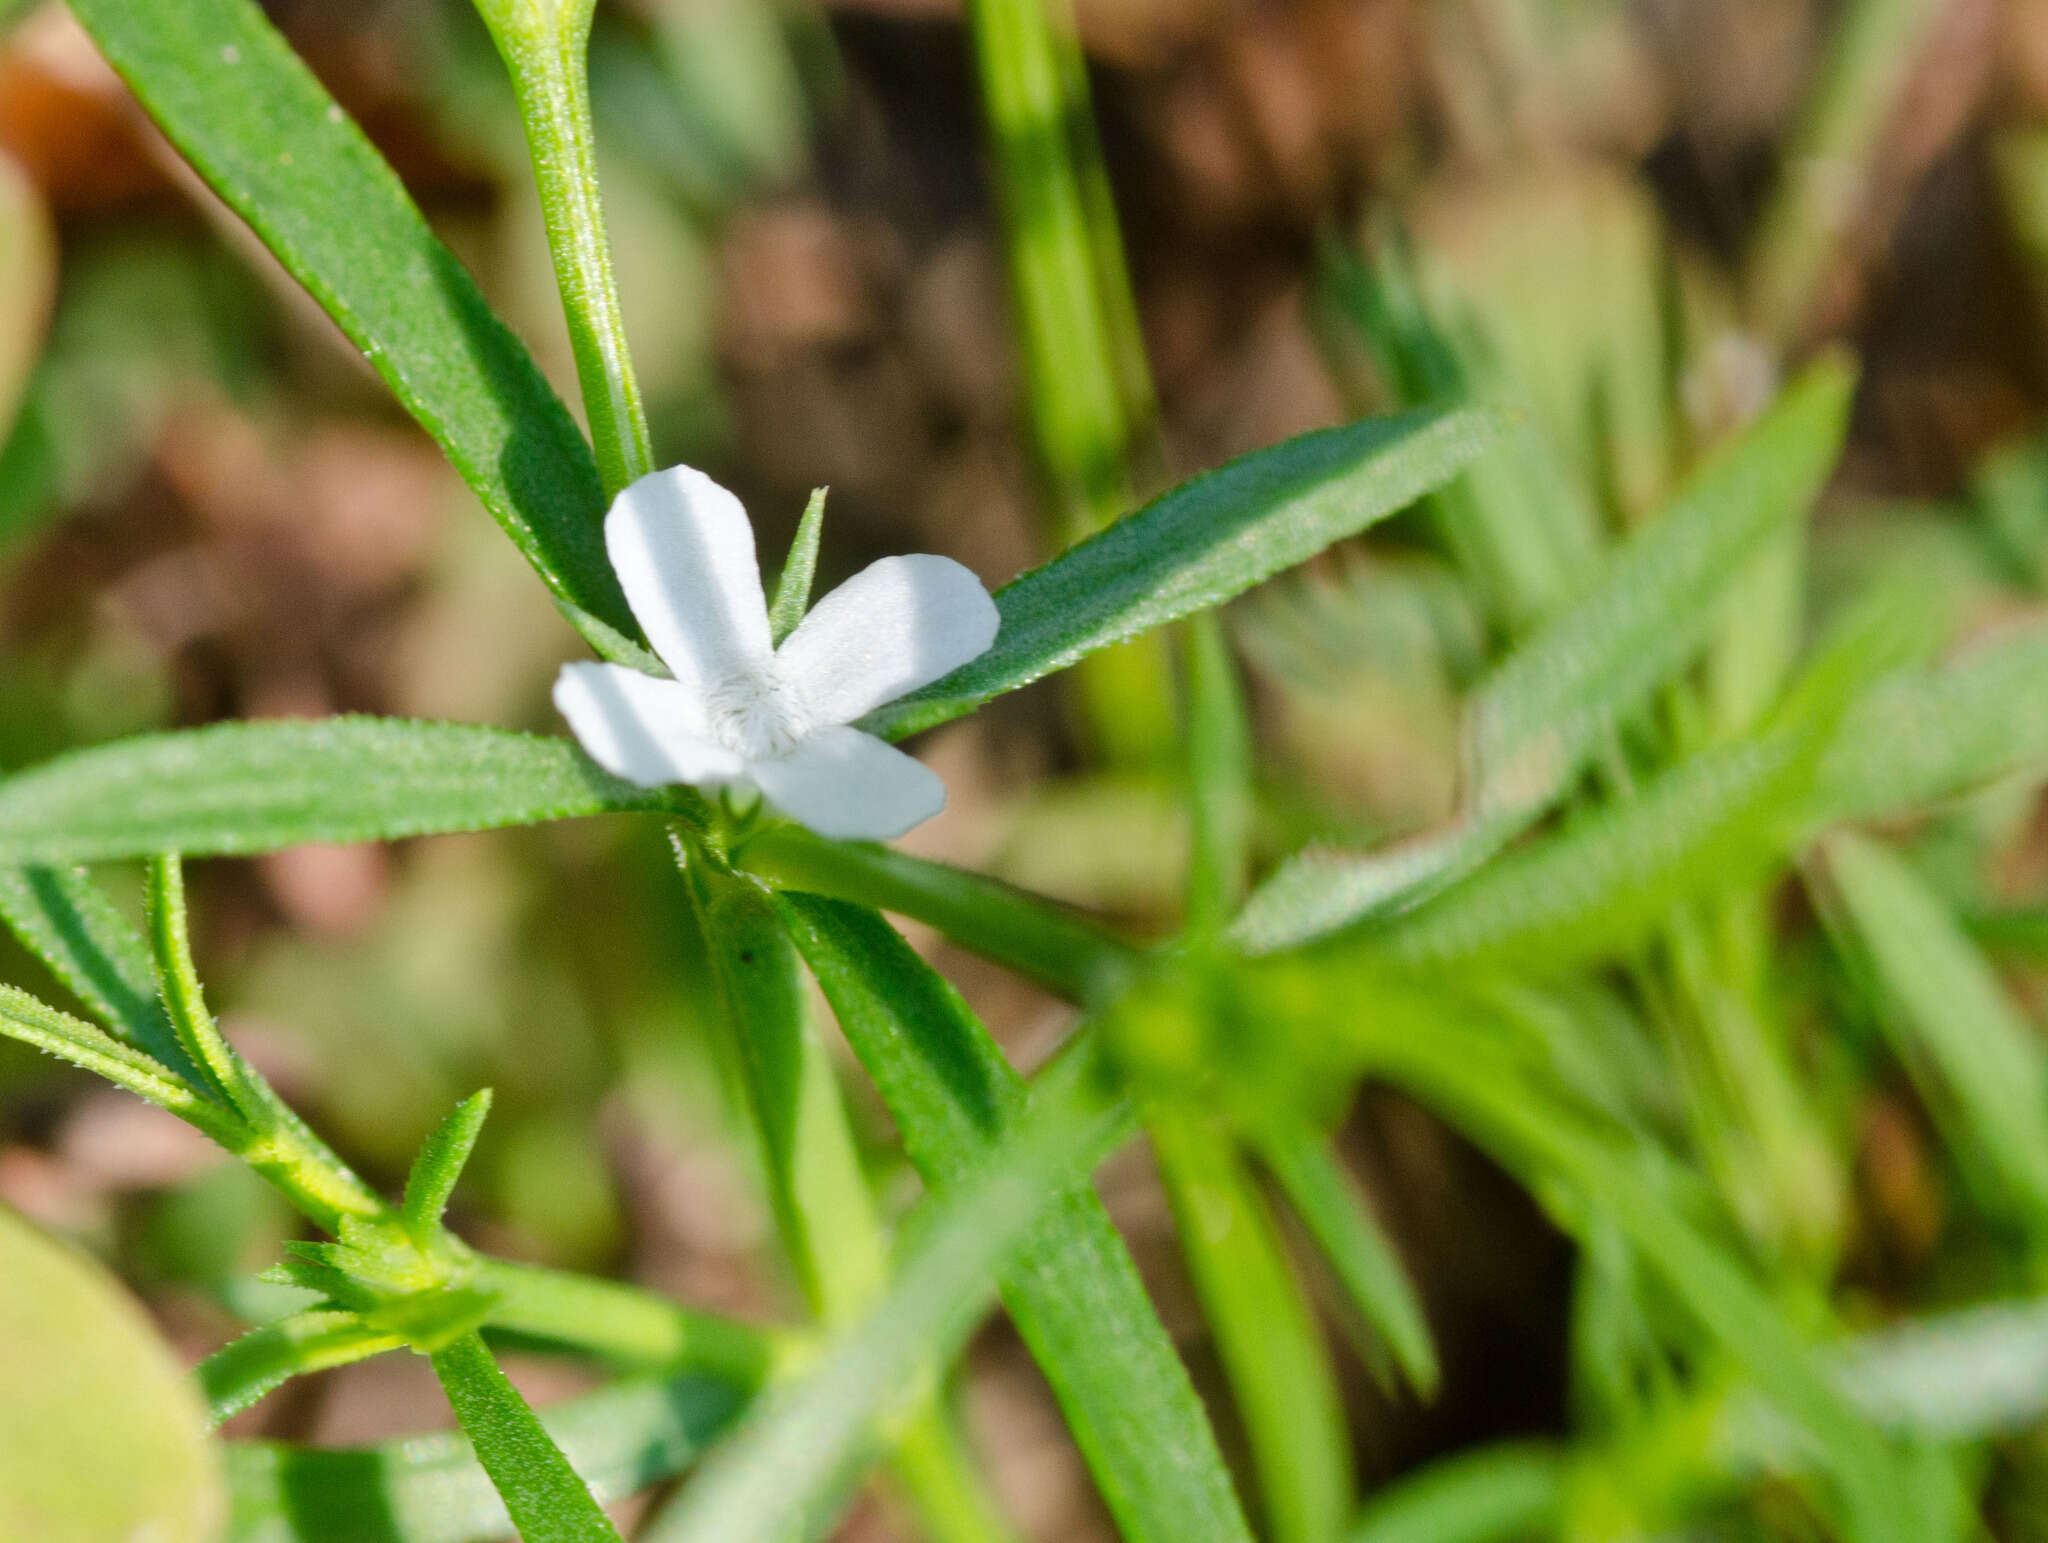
column 235, row 99
column 1207, row 540
column 430, row 1489
column 1977, row 1061
column 244, row 1370
column 1278, row 1364
column 67, row 921
column 1937, row 733
column 1604, row 881
column 1049, row 943
column 781, row 1474
column 255, row 787
column 1072, row 1289
column 1533, row 723
column 793, row 589
column 101, row 1435
column 1489, row 1495
column 1220, row 770
column 1363, row 1258
column 545, row 1498
column 1705, row 825
column 34, row 1023
column 441, row 1161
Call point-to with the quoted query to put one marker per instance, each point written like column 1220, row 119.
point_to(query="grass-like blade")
column 243, row 108
column 783, row 1471
column 546, row 1499
column 1533, row 723
column 1359, row 1253
column 1281, row 1379
column 1977, row 1062
column 255, row 787
column 1072, row 1290
column 1208, row 539
column 430, row 1489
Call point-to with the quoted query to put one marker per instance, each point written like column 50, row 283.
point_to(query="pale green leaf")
column 101, row 1434
column 1533, row 723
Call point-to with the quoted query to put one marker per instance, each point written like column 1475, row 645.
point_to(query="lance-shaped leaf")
column 234, row 98
column 1197, row 546
column 1072, row 1290
column 547, row 1500
column 1537, row 718
column 255, row 787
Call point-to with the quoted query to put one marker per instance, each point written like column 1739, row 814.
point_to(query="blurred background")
column 1637, row 213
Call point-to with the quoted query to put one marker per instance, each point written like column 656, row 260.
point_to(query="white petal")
column 684, row 554
column 850, row 785
column 636, row 726
column 889, row 629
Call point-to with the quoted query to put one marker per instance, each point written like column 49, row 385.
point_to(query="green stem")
column 630, row 1326
column 544, row 44
column 1058, row 948
column 1087, row 387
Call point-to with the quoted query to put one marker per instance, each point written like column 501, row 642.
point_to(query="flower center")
column 758, row 715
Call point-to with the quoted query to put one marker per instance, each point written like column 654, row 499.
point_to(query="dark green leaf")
column 265, row 134
column 1195, row 547
column 254, row 787
column 1072, row 1290
column 545, row 1498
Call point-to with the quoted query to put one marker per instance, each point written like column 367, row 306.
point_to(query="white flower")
column 743, row 713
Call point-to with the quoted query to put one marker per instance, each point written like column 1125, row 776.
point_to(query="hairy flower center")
column 758, row 716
